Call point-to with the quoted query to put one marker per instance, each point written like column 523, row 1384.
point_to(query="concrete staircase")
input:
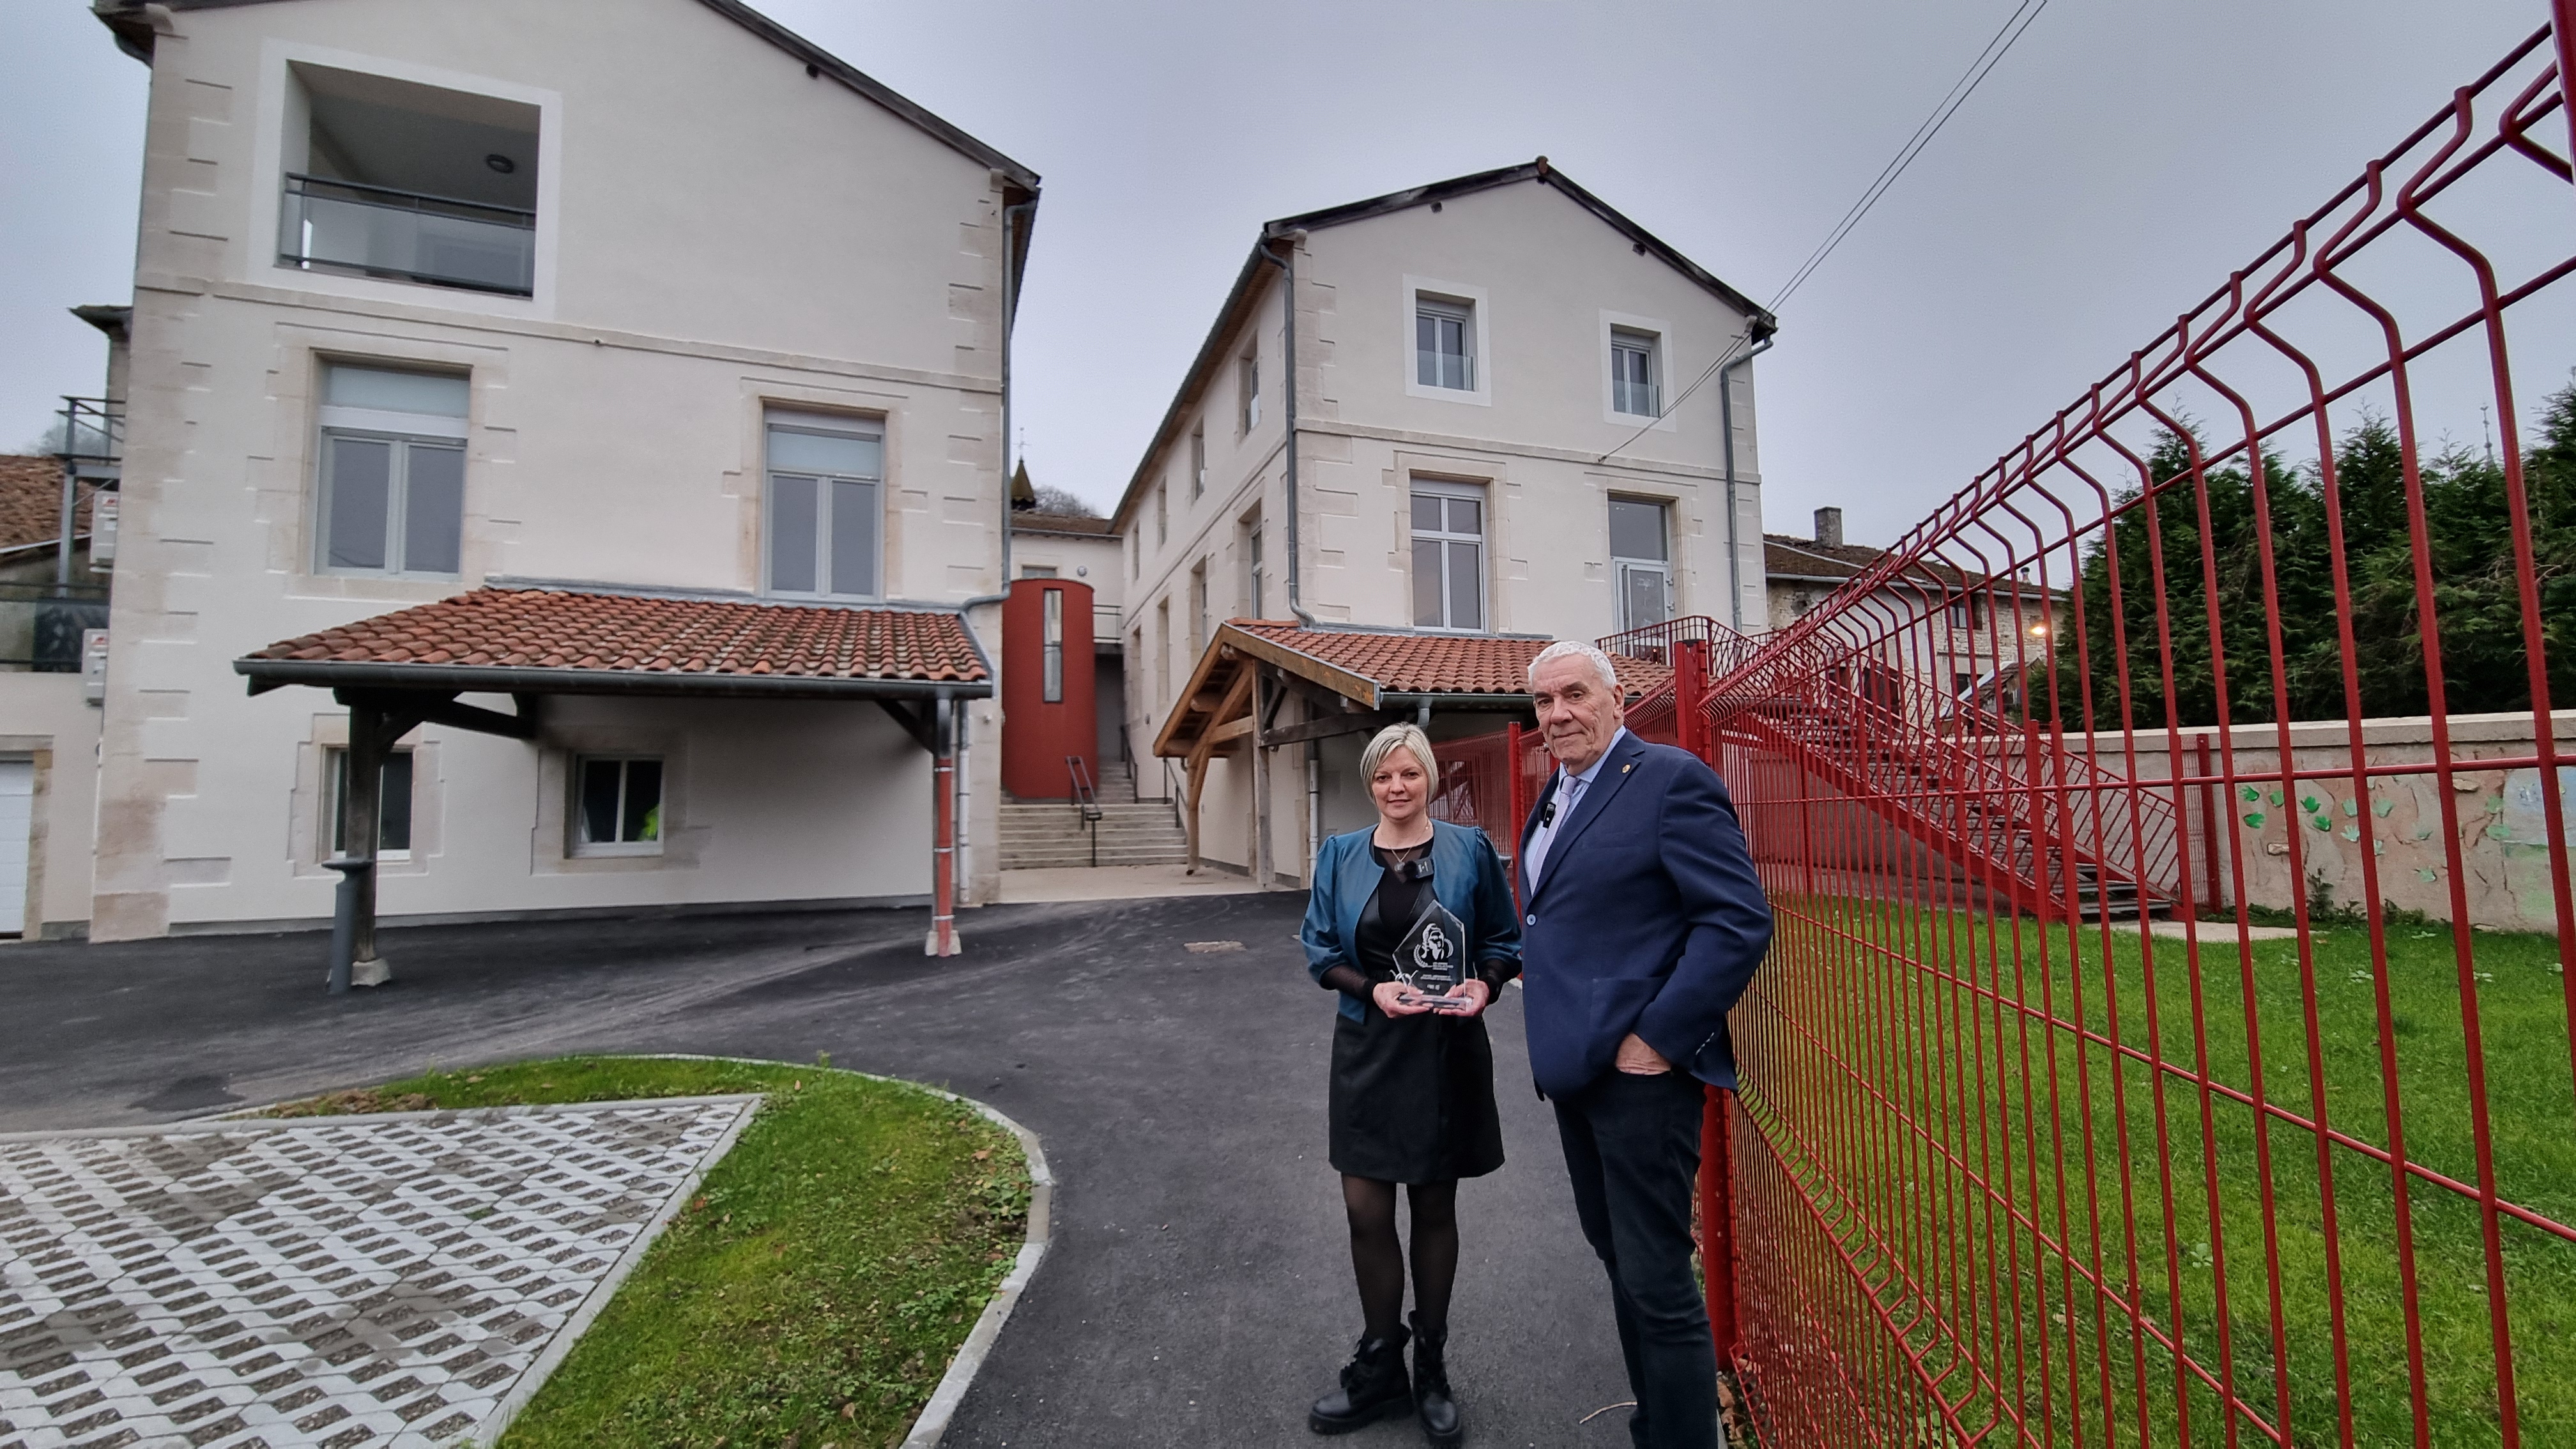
column 1052, row 835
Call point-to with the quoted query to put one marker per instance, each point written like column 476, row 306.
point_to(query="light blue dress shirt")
column 1569, row 793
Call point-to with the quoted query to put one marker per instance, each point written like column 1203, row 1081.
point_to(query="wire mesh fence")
column 2167, row 1038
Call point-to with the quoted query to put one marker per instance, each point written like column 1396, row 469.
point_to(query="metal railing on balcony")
column 382, row 231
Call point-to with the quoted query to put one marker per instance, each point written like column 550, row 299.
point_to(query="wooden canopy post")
column 373, row 729
column 943, row 841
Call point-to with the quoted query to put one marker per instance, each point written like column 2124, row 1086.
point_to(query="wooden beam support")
column 419, row 706
column 918, row 720
column 1368, row 721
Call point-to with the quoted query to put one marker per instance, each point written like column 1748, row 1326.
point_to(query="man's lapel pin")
column 1623, row 769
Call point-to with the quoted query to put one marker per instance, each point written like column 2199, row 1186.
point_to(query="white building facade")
column 438, row 296
column 1489, row 406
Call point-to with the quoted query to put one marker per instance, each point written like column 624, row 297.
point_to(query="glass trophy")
column 1432, row 956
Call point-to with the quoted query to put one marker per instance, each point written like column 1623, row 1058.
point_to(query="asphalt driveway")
column 1198, row 1291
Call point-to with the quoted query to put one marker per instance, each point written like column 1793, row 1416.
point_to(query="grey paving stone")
column 321, row 1282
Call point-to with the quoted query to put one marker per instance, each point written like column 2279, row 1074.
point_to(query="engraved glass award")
column 1431, row 956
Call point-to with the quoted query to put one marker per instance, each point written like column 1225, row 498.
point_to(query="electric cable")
column 1997, row 47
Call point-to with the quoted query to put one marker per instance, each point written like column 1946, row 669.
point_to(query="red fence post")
column 2562, row 29
column 1690, row 695
column 2210, row 805
column 1717, row 1226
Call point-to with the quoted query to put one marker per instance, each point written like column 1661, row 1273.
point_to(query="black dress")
column 1412, row 1097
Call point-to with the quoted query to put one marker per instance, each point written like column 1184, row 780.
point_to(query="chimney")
column 1829, row 527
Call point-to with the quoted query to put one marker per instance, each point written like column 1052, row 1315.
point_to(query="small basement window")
column 388, row 178
column 618, row 806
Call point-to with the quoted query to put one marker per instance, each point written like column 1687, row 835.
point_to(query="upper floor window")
column 1634, row 388
column 1448, row 555
column 1198, row 608
column 392, row 494
column 1444, row 342
column 1641, row 556
column 1248, row 368
column 1162, row 517
column 826, row 510
column 1252, row 566
column 1198, row 460
column 388, row 178
column 1967, row 611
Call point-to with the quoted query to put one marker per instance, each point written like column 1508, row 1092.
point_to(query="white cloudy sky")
column 2111, row 171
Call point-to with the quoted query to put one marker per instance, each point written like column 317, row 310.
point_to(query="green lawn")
column 816, row 1286
column 1964, row 1090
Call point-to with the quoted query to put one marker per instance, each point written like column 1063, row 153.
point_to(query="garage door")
column 17, row 812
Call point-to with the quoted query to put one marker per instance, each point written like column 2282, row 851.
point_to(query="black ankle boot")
column 1433, row 1402
column 1374, row 1387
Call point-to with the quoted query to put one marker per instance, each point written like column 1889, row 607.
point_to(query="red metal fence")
column 2167, row 1038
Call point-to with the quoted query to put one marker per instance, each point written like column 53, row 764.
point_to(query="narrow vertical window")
column 1249, row 370
column 1162, row 517
column 1444, row 343
column 1641, row 558
column 1448, row 556
column 1198, row 460
column 826, row 514
column 1055, row 646
column 617, row 806
column 1255, row 605
column 1633, row 387
column 392, row 493
column 1198, row 609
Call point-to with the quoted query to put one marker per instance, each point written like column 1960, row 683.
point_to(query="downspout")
column 1726, row 430
column 1287, row 266
column 965, row 790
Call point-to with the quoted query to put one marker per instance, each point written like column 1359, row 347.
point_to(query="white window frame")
column 1622, row 565
column 1198, row 461
column 577, row 848
column 1480, row 340
column 1253, row 564
column 335, row 782
column 844, row 425
column 1247, row 384
column 1626, row 343
column 1664, row 364
column 401, row 431
column 1482, row 539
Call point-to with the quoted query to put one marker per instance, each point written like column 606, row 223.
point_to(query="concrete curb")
column 932, row 1425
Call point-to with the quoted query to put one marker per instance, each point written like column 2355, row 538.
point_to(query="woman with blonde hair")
column 1411, row 922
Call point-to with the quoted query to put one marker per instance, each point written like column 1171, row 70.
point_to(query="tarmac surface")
column 1198, row 1289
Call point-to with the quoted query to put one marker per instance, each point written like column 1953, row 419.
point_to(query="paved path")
column 332, row 1282
column 1198, row 1290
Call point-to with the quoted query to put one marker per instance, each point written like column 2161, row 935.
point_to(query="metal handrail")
column 1085, row 800
column 298, row 179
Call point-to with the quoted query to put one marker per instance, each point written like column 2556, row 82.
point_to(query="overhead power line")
column 1997, row 47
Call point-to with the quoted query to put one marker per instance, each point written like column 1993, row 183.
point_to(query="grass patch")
column 1940, row 1087
column 816, row 1286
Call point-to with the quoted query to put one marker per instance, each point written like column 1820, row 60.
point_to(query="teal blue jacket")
column 1466, row 875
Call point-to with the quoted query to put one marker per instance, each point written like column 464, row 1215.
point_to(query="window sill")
column 644, row 849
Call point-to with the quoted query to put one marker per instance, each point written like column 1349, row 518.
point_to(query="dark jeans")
column 1632, row 1148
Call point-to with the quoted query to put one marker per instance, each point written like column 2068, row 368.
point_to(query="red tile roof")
column 1432, row 663
column 553, row 629
column 31, row 502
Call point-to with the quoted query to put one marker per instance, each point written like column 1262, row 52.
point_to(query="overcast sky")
column 2115, row 167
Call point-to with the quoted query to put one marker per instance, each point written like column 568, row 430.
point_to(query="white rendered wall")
column 775, row 240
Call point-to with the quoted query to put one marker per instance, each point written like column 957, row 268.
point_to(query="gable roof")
column 132, row 24
column 1247, row 283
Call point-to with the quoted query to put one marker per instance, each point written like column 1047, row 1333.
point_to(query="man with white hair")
column 1642, row 923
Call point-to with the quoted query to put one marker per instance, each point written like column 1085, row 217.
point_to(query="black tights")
column 1378, row 1258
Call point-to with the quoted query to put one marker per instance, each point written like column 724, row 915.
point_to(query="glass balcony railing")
column 41, row 624
column 382, row 232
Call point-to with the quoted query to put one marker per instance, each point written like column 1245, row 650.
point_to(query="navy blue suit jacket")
column 1647, row 917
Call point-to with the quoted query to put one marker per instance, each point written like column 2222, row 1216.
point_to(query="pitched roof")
column 1785, row 556
column 1032, row 522
column 1247, row 283
column 132, row 24
column 31, row 503
column 571, row 641
column 1403, row 663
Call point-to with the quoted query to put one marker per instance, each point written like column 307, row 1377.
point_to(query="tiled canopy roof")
column 1431, row 663
column 681, row 640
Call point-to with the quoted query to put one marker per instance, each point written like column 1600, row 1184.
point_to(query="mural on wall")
column 2502, row 826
